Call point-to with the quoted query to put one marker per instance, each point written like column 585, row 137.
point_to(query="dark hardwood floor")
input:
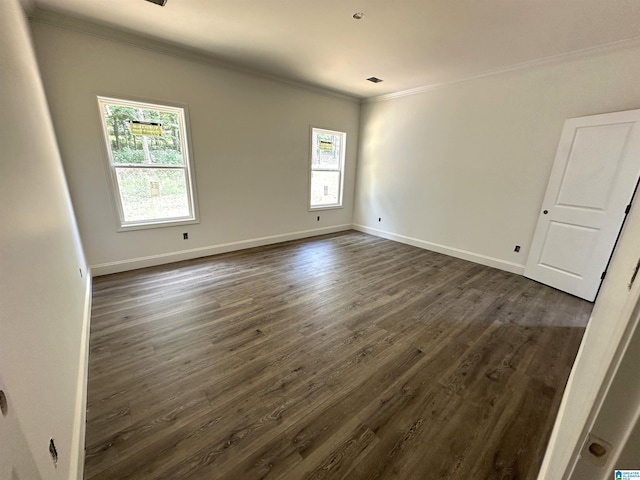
column 343, row 356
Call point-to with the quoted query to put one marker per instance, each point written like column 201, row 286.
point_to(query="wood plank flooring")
column 343, row 356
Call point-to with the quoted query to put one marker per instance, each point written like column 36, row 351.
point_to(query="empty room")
column 334, row 239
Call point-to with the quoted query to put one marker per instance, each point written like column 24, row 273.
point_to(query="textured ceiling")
column 407, row 43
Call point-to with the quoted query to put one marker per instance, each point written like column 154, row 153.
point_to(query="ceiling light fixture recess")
column 162, row 3
column 375, row 79
column 358, row 15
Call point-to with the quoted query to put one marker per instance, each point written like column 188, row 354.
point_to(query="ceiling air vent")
column 375, row 79
column 162, row 3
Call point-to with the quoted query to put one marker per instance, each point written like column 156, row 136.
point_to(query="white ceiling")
column 407, row 43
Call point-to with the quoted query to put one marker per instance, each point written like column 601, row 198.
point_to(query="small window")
column 327, row 168
column 149, row 164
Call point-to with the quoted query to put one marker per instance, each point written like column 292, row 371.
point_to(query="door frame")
column 615, row 316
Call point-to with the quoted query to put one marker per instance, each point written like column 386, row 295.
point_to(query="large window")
column 149, row 164
column 327, row 168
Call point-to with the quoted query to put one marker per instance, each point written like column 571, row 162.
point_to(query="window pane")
column 325, row 150
column 161, row 145
column 152, row 193
column 325, row 188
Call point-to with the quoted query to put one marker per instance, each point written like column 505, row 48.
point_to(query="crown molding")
column 157, row 45
column 551, row 60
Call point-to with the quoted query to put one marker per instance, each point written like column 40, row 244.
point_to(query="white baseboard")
column 152, row 260
column 161, row 259
column 454, row 252
column 76, row 467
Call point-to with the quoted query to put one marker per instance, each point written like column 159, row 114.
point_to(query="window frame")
column 343, row 151
column 182, row 113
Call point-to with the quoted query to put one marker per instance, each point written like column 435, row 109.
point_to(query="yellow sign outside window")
column 149, row 129
column 325, row 146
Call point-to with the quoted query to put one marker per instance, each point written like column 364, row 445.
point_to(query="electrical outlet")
column 517, row 249
column 185, row 236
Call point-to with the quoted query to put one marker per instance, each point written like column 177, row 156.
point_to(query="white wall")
column 43, row 298
column 462, row 169
column 250, row 141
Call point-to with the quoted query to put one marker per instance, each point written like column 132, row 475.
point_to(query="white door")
column 592, row 181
